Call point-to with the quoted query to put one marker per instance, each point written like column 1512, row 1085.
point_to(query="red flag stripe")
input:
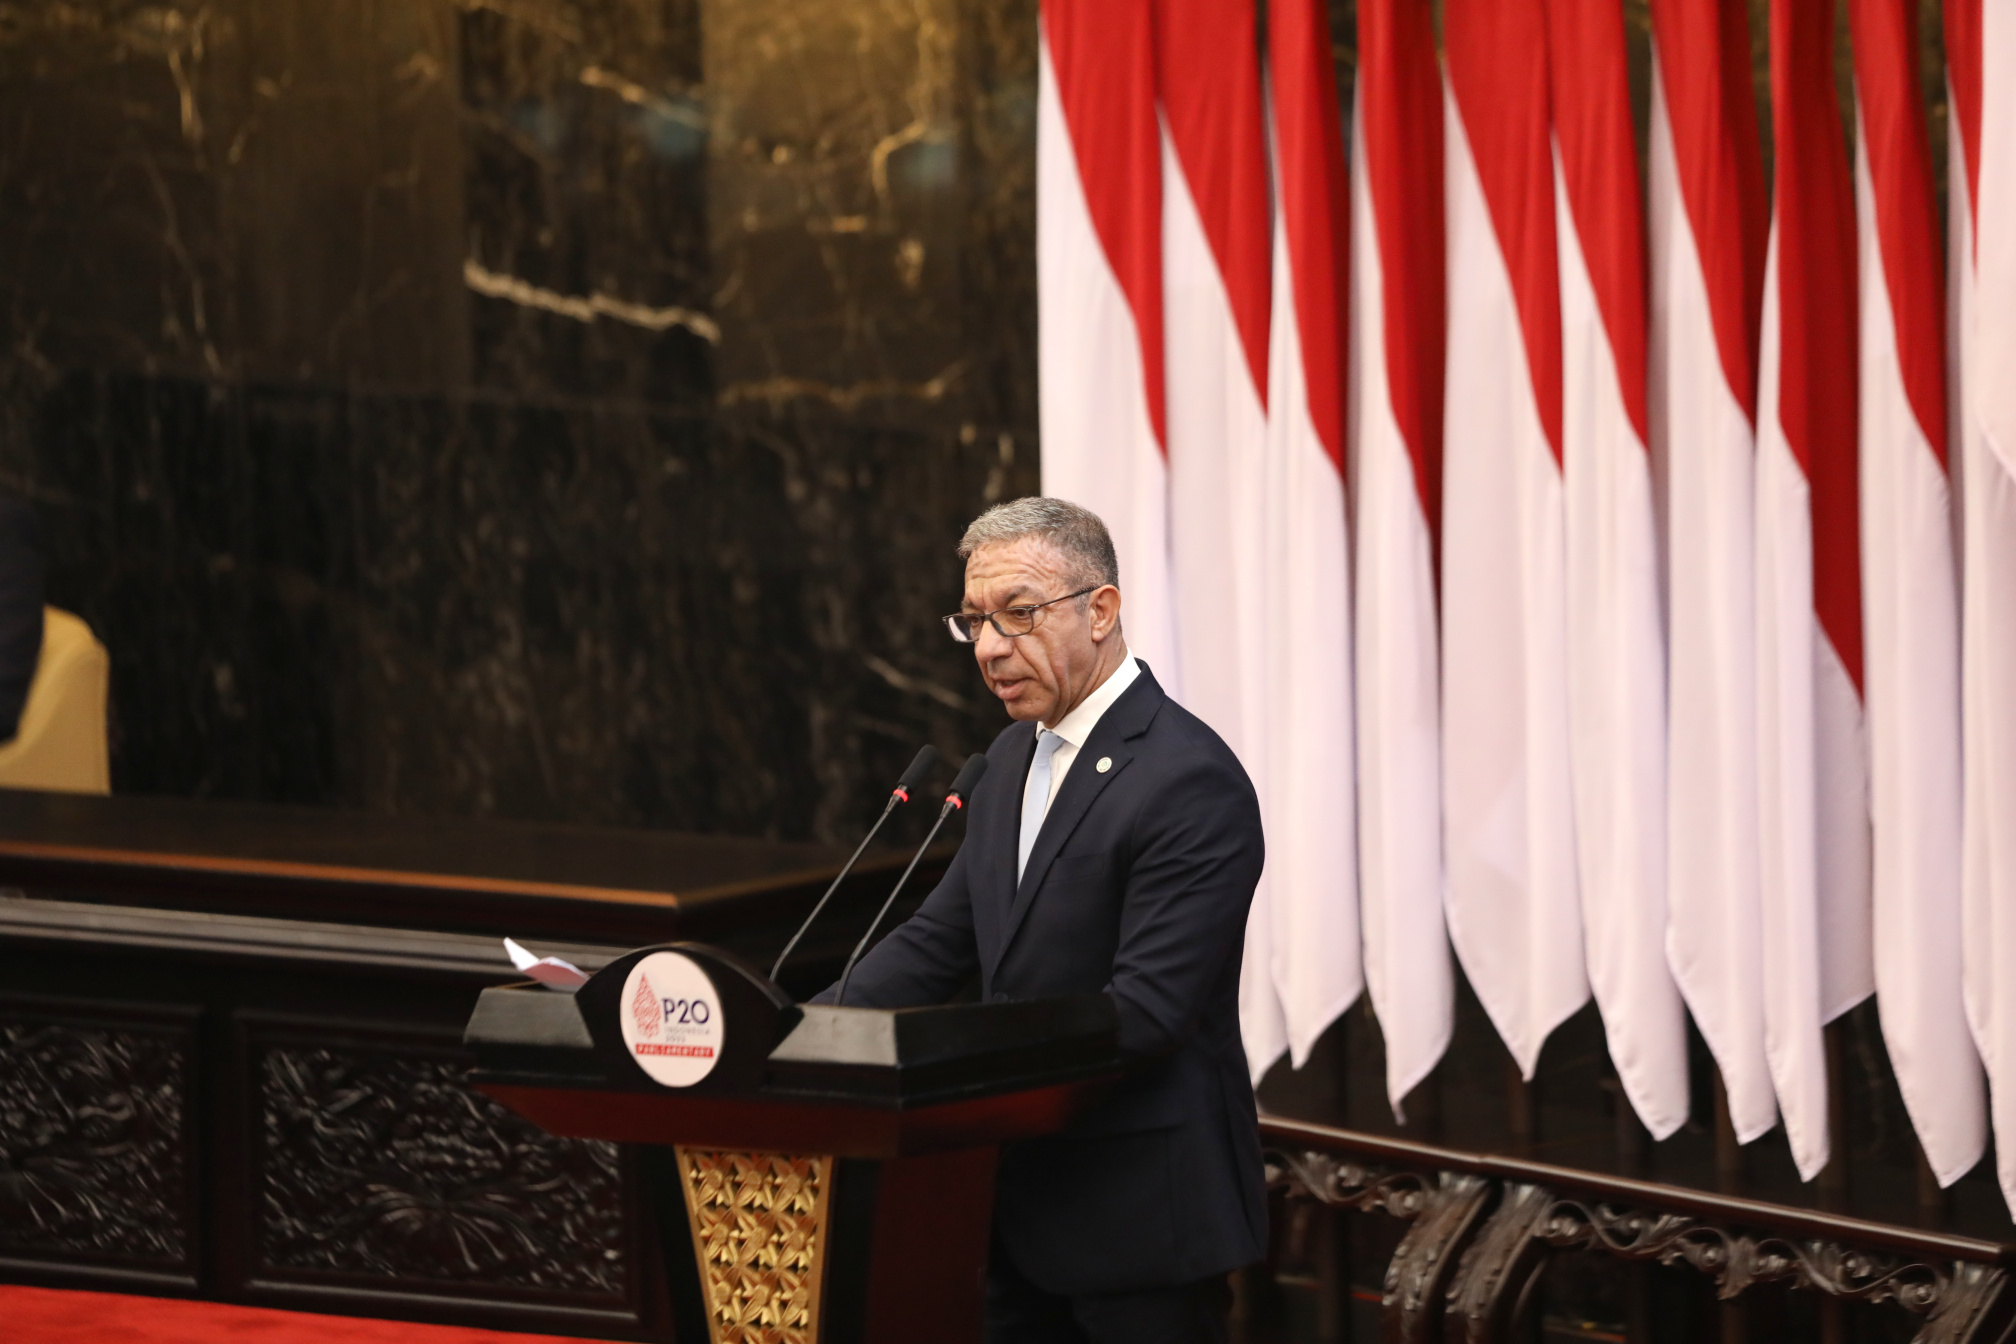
column 1497, row 52
column 1963, row 72
column 1209, row 75
column 1103, row 54
column 1816, row 308
column 1900, row 176
column 1402, row 106
column 1599, row 173
column 1315, row 202
column 1704, row 60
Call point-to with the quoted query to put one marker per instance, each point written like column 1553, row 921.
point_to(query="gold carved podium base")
column 759, row 1235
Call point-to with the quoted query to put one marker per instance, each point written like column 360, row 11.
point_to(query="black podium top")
column 900, row 1058
column 864, row 1082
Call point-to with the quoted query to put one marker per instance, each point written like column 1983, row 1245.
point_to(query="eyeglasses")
column 1008, row 622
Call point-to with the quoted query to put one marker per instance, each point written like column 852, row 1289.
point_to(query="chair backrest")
column 61, row 744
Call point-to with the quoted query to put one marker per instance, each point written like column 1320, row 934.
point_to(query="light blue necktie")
column 1035, row 796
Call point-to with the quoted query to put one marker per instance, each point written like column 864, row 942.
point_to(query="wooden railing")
column 1482, row 1229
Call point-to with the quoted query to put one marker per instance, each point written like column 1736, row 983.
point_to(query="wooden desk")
column 460, row 874
column 231, row 1061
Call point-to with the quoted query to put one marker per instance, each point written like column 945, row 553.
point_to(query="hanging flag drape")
column 1312, row 854
column 1396, row 349
column 1616, row 643
column 1099, row 297
column 1813, row 808
column 1508, row 809
column 1707, row 217
column 1911, row 664
column 1981, row 58
column 1216, row 294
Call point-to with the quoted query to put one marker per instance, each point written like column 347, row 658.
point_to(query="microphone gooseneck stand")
column 920, row 766
column 955, row 798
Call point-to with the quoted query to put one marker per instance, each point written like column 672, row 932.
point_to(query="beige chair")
column 61, row 743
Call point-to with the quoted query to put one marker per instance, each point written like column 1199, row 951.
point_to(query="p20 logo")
column 671, row 1019
column 687, row 1012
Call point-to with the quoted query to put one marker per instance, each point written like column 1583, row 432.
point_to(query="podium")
column 833, row 1168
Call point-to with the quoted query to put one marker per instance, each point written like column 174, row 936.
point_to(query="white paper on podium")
column 548, row 971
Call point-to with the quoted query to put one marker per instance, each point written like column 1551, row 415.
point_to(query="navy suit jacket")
column 1137, row 887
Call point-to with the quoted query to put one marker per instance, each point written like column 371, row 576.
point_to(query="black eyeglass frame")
column 960, row 622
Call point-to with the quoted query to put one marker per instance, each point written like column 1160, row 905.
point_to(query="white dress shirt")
column 1077, row 726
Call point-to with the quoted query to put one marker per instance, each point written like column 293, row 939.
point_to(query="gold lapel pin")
column 1105, row 764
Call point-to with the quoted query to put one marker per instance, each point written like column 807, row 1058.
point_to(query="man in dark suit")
column 1113, row 846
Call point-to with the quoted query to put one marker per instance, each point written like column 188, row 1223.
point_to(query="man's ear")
column 1105, row 612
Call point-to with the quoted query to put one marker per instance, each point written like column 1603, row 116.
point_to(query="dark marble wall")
column 548, row 409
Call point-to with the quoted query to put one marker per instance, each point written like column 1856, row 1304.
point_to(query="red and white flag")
column 1707, row 216
column 1507, row 794
column 1812, row 754
column 1396, row 349
column 1215, row 285
column 1099, row 297
column 1911, row 601
column 1616, row 643
column 1981, row 65
column 1312, row 851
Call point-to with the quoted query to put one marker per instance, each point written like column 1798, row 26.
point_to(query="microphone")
column 955, row 798
column 920, row 766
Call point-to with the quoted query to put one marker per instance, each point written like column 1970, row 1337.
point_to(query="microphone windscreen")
column 913, row 778
column 969, row 775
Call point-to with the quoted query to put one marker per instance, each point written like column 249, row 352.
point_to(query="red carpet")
column 53, row 1316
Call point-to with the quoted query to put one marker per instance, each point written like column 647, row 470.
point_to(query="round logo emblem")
column 671, row 1019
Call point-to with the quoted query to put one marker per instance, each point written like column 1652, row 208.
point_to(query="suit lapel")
column 1128, row 718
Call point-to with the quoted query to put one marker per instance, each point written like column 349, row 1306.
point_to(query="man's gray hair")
column 1086, row 545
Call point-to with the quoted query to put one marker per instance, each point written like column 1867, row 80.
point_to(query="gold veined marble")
column 759, row 1234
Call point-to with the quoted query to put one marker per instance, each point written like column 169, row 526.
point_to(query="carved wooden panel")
column 94, row 1138
column 1489, row 1298
column 378, row 1162
column 1958, row 1301
column 1443, row 1214
column 759, row 1234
